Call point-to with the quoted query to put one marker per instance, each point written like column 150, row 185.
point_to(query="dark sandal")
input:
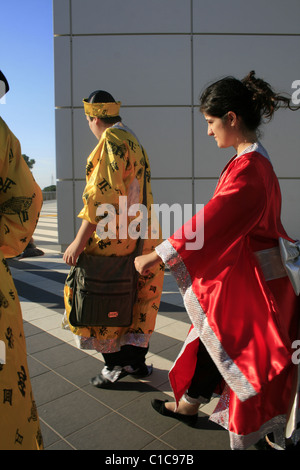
column 159, row 406
column 143, row 371
column 100, row 381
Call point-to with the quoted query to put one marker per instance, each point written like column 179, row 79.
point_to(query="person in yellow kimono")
column 20, row 204
column 115, row 168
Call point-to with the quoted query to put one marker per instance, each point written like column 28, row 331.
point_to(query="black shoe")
column 159, row 406
column 140, row 372
column 108, row 378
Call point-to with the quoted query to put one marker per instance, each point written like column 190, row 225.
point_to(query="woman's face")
column 221, row 130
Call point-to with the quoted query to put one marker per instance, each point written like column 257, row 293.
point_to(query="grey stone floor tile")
column 59, row 355
column 80, row 372
column 205, row 436
column 172, row 352
column 113, row 432
column 142, row 413
column 158, row 445
column 30, row 330
column 40, row 342
column 160, row 343
column 60, row 445
column 50, row 437
column 127, row 390
column 72, row 412
column 35, row 367
column 49, row 386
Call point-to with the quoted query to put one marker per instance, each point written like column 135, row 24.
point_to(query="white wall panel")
column 145, row 70
column 166, row 135
column 64, row 153
column 255, row 16
column 62, row 71
column 61, row 17
column 290, row 189
column 272, row 58
column 131, row 16
column 65, row 211
column 173, row 192
column 78, row 202
column 281, row 138
column 84, row 142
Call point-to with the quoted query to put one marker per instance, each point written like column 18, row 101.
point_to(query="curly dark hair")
column 251, row 98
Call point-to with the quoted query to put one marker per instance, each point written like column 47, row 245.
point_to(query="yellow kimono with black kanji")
column 20, row 204
column 116, row 168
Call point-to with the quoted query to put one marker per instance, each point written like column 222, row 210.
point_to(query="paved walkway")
column 76, row 416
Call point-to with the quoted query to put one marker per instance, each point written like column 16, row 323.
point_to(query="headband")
column 101, row 110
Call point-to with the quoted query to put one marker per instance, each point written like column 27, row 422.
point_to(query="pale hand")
column 144, row 263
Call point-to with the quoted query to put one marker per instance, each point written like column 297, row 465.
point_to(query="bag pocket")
column 96, row 310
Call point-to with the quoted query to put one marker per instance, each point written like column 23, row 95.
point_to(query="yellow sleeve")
column 20, row 196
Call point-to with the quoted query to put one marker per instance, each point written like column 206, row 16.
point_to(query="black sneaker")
column 140, row 372
column 108, row 377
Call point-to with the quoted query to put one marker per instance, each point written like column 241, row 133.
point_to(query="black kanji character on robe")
column 104, row 185
column 7, row 395
column 10, row 338
column 6, row 185
column 18, row 437
column 22, row 381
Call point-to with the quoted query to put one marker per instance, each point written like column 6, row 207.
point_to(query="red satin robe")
column 246, row 323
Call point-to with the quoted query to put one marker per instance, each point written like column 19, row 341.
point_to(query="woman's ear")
column 232, row 118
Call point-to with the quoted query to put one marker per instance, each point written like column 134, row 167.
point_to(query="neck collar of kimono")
column 101, row 110
column 255, row 147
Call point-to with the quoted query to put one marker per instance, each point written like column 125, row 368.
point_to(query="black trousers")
column 129, row 355
column 206, row 376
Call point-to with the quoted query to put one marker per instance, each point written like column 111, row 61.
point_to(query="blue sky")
column 26, row 59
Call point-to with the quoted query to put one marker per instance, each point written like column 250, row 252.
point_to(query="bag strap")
column 140, row 242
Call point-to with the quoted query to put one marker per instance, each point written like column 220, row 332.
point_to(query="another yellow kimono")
column 20, row 204
column 116, row 168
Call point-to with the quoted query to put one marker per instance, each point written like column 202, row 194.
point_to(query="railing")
column 48, row 195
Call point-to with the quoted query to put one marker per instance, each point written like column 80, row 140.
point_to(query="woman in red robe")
column 242, row 305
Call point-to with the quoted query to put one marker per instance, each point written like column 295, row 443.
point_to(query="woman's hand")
column 144, row 263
